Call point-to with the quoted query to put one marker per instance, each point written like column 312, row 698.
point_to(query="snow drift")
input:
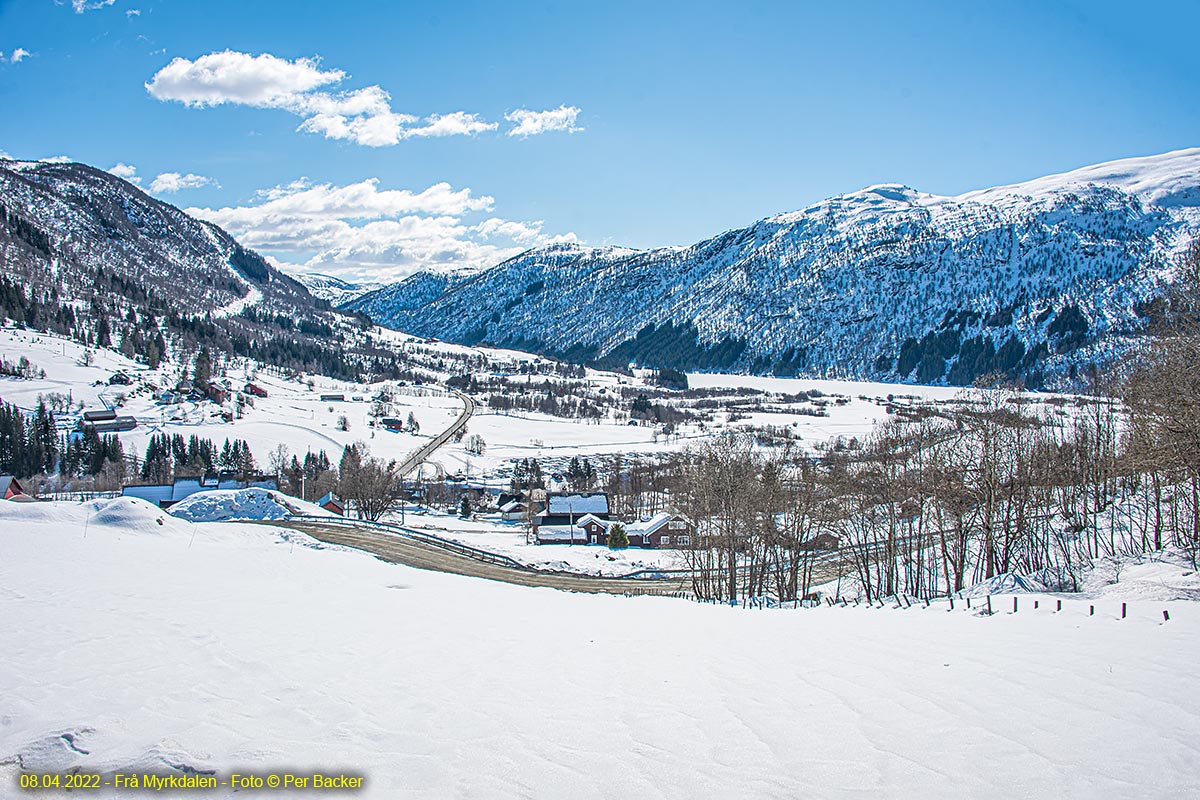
column 219, row 505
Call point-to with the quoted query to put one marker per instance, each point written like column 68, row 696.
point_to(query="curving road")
column 422, row 454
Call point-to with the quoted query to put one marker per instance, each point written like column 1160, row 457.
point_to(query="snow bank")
column 219, row 505
column 1162, row 576
column 123, row 514
column 1005, row 583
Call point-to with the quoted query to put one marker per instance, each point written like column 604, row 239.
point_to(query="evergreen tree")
column 618, row 539
column 103, row 332
column 202, row 369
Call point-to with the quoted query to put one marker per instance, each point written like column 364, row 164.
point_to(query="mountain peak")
column 884, row 282
column 1167, row 180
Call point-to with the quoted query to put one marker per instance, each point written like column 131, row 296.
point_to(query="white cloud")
column 263, row 81
column 19, row 55
column 364, row 116
column 81, row 6
column 56, row 160
column 171, row 182
column 532, row 123
column 389, row 128
column 362, row 232
column 375, row 130
column 458, row 123
column 127, row 172
column 133, row 12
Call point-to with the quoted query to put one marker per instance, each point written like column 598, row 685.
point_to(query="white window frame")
column 677, row 525
column 666, row 539
column 684, row 541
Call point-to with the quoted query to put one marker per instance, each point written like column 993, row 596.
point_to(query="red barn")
column 331, row 502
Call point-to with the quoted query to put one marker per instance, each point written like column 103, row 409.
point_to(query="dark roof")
column 7, row 481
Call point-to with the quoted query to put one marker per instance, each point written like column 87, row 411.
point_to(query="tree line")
column 930, row 503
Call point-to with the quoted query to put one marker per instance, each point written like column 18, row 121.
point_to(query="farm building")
column 114, row 425
column 514, row 511
column 331, row 502
column 568, row 508
column 167, row 494
column 10, row 489
column 661, row 530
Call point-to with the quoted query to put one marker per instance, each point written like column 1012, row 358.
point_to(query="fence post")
column 951, row 602
column 968, row 603
column 1091, row 611
column 1059, row 606
column 1166, row 616
column 1014, row 605
column 989, row 604
column 1122, row 611
column 1035, row 605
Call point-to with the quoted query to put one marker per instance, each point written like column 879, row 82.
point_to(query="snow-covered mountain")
column 1032, row 279
column 93, row 257
column 77, row 228
column 333, row 289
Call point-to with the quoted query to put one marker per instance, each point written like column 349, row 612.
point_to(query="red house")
column 11, row 490
column 331, row 502
column 256, row 390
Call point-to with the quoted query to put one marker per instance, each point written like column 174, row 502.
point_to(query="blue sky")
column 644, row 123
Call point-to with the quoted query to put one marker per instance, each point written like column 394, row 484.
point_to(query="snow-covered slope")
column 133, row 641
column 80, row 229
column 329, row 287
column 884, row 282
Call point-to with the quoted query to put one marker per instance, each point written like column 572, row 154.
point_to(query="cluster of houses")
column 219, row 391
column 584, row 518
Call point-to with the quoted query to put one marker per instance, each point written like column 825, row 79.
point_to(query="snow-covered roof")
column 584, row 520
column 646, row 527
column 578, row 504
column 511, row 506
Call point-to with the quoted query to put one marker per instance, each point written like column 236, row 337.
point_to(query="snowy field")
column 293, row 415
column 130, row 644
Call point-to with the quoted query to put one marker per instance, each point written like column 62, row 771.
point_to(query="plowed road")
column 412, row 553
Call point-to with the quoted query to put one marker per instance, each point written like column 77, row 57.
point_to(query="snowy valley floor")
column 129, row 644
